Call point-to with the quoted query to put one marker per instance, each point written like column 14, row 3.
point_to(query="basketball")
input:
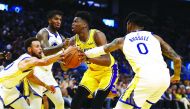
column 71, row 55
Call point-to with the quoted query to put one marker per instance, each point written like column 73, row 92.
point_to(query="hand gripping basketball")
column 72, row 57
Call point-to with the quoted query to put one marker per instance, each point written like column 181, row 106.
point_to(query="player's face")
column 36, row 49
column 78, row 24
column 55, row 21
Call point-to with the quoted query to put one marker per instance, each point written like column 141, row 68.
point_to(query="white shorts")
column 148, row 89
column 9, row 95
column 37, row 89
column 46, row 76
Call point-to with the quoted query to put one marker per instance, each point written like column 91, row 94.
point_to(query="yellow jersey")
column 89, row 44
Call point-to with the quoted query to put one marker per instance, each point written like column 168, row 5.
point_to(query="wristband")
column 95, row 52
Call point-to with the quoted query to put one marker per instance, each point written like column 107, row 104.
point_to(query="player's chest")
column 86, row 46
column 54, row 41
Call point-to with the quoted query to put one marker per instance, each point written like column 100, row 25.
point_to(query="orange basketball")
column 71, row 55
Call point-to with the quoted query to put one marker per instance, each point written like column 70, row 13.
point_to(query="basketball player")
column 23, row 67
column 51, row 42
column 101, row 75
column 144, row 51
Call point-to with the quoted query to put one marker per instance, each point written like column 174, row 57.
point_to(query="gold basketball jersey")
column 89, row 44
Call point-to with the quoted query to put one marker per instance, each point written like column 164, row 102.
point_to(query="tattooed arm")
column 98, row 51
column 42, row 36
column 169, row 52
column 114, row 45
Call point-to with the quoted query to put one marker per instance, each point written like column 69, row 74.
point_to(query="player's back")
column 143, row 51
column 11, row 75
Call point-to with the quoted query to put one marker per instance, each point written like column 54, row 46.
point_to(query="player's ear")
column 49, row 21
column 84, row 23
column 29, row 49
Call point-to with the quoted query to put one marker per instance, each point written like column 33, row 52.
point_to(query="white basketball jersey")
column 143, row 52
column 10, row 76
column 44, row 73
column 54, row 38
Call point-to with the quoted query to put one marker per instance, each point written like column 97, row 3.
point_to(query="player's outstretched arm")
column 42, row 36
column 114, row 45
column 33, row 61
column 169, row 52
column 98, row 51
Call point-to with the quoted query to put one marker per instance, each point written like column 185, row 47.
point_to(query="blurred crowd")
column 15, row 28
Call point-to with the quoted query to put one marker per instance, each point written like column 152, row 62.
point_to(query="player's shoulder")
column 42, row 31
column 97, row 31
column 24, row 56
column 130, row 34
column 139, row 33
column 98, row 34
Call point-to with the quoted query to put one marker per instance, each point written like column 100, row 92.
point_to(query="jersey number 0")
column 142, row 48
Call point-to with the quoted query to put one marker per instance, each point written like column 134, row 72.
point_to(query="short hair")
column 85, row 15
column 28, row 42
column 139, row 19
column 52, row 13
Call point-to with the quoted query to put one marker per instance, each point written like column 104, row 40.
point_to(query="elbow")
column 108, row 62
column 177, row 59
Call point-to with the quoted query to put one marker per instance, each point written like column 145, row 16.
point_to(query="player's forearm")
column 103, row 60
column 95, row 52
column 177, row 66
column 35, row 80
column 50, row 59
column 98, row 51
column 52, row 50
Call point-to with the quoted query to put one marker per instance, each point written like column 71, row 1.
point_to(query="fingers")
column 52, row 89
column 175, row 81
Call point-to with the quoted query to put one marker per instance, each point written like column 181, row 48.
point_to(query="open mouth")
column 40, row 53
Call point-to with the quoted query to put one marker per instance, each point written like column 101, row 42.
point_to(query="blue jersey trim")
column 125, row 102
column 150, row 102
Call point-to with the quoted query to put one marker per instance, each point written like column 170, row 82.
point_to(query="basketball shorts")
column 142, row 90
column 46, row 76
column 100, row 80
column 9, row 95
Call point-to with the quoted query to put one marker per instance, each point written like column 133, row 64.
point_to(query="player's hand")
column 62, row 56
column 82, row 55
column 175, row 79
column 50, row 88
column 66, row 45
